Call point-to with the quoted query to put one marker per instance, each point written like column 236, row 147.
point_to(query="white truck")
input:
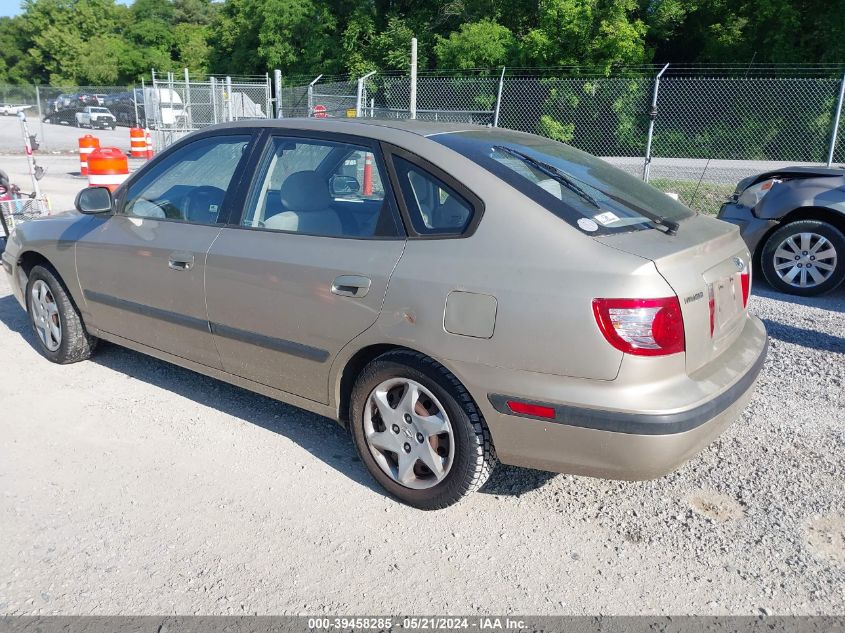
column 164, row 107
column 9, row 109
column 95, row 117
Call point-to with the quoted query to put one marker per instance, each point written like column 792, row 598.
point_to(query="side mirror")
column 94, row 200
column 343, row 185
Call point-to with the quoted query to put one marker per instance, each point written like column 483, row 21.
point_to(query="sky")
column 13, row 7
column 10, row 7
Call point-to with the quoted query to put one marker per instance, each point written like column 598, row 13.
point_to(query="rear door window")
column 320, row 187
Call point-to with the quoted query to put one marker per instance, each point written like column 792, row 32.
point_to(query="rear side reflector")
column 523, row 408
column 642, row 327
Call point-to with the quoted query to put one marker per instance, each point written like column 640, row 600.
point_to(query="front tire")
column 805, row 258
column 418, row 431
column 59, row 332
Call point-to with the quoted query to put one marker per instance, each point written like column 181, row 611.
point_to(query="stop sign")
column 320, row 111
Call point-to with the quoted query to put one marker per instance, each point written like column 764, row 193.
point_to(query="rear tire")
column 467, row 455
column 60, row 334
column 805, row 258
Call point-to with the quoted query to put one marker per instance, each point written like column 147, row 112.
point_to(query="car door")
column 306, row 267
column 142, row 268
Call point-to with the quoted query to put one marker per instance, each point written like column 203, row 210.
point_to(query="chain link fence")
column 710, row 132
column 453, row 98
column 54, row 113
column 179, row 105
column 710, row 126
column 169, row 106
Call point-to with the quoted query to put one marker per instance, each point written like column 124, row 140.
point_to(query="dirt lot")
column 131, row 486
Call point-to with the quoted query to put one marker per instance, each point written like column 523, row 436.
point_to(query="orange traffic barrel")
column 149, row 146
column 107, row 167
column 87, row 144
column 368, row 175
column 137, row 143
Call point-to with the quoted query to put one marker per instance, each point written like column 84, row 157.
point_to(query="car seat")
column 307, row 202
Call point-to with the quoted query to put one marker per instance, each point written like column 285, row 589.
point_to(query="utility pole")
column 412, row 106
column 653, row 116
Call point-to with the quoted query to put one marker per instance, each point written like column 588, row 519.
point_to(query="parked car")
column 95, row 117
column 459, row 296
column 124, row 108
column 793, row 220
column 8, row 109
column 74, row 101
column 65, row 101
column 64, row 116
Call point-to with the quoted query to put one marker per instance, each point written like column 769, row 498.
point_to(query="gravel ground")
column 131, row 486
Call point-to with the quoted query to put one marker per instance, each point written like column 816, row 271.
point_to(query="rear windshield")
column 582, row 189
column 99, row 110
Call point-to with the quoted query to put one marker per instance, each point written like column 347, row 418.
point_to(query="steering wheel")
column 202, row 204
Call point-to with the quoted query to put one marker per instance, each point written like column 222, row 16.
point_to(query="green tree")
column 598, row 33
column 59, row 32
column 254, row 35
column 482, row 44
column 391, row 47
column 16, row 66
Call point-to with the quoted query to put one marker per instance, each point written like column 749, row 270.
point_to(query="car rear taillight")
column 642, row 327
column 745, row 282
column 711, row 300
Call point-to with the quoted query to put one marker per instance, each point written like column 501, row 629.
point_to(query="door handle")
column 180, row 261
column 351, row 286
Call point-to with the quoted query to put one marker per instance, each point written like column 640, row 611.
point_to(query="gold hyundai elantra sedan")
column 456, row 296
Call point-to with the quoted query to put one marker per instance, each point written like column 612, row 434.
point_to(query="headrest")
column 305, row 191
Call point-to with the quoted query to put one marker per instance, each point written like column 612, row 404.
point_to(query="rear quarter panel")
column 543, row 273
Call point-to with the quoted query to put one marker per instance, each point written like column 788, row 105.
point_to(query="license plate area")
column 727, row 295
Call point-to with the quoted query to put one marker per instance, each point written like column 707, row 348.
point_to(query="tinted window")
column 319, row 187
column 190, row 184
column 571, row 183
column 434, row 207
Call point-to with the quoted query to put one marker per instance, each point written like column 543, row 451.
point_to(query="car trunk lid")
column 704, row 262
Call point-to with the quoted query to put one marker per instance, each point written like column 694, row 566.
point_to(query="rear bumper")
column 751, row 228
column 615, row 443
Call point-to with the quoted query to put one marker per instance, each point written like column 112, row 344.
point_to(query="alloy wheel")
column 805, row 260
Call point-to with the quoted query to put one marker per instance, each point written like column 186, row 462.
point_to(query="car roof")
column 391, row 131
column 356, row 126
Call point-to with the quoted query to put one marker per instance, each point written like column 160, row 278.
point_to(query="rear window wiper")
column 551, row 172
column 659, row 222
column 670, row 226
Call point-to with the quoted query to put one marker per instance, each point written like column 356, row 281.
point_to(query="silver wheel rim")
column 805, row 260
column 409, row 433
column 45, row 315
